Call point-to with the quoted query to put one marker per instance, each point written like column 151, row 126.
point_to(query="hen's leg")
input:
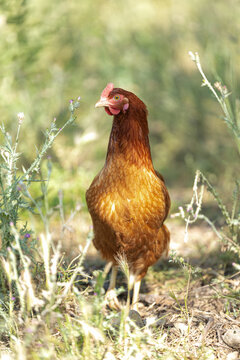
column 113, row 277
column 107, row 268
column 136, row 289
column 111, row 297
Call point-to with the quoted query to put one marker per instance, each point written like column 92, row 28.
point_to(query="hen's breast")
column 127, row 199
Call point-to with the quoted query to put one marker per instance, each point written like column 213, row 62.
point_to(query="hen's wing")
column 166, row 194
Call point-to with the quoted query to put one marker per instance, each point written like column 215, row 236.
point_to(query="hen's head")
column 117, row 101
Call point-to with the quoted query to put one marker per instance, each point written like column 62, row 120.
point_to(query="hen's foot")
column 112, row 301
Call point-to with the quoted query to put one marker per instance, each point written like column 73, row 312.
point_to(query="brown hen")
column 128, row 200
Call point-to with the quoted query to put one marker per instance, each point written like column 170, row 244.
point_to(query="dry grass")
column 185, row 314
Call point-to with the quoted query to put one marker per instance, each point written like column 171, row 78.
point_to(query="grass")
column 53, row 307
column 56, row 312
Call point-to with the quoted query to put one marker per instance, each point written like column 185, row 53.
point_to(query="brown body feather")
column 128, row 200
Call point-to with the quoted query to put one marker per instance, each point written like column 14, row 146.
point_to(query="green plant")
column 15, row 184
column 230, row 232
column 231, row 115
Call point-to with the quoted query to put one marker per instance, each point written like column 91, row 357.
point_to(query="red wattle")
column 107, row 110
column 112, row 111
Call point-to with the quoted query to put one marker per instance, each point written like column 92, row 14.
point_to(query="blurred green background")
column 52, row 51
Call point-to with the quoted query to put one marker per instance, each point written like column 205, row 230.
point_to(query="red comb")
column 107, row 90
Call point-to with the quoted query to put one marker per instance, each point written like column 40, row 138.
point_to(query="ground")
column 195, row 305
column 188, row 306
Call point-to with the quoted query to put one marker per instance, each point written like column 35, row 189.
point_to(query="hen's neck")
column 129, row 140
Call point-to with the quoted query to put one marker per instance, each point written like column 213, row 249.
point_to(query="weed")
column 15, row 186
column 230, row 233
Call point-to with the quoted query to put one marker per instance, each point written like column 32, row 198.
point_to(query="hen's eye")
column 116, row 97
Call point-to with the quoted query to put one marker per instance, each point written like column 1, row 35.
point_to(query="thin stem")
column 47, row 145
column 229, row 117
column 221, row 206
column 71, row 282
column 219, row 235
column 12, row 161
column 209, row 85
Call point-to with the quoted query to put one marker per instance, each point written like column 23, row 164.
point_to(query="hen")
column 128, row 200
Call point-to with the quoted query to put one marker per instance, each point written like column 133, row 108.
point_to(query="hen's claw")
column 112, row 301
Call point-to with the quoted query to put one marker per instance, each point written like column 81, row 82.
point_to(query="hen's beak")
column 102, row 102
